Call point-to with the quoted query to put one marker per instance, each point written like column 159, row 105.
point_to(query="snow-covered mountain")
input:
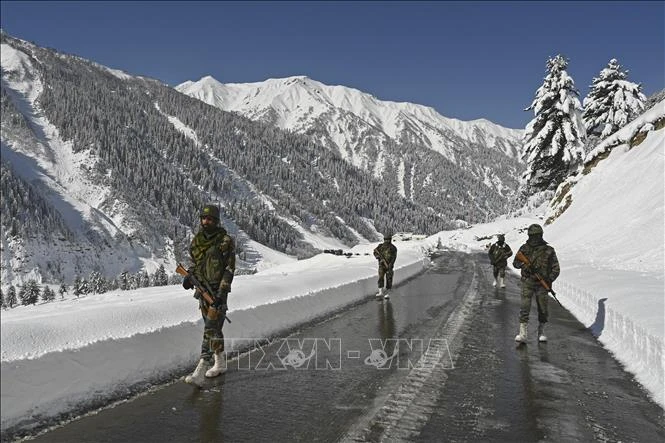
column 104, row 172
column 374, row 135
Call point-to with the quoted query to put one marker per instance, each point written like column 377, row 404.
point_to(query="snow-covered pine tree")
column 123, row 281
column 11, row 297
column 23, row 294
column 77, row 286
column 612, row 102
column 47, row 294
column 31, row 293
column 554, row 139
column 63, row 290
column 161, row 278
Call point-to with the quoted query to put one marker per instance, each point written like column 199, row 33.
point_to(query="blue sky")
column 467, row 60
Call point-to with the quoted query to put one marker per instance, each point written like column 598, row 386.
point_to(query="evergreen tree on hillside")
column 612, row 102
column 63, row 290
column 29, row 293
column 160, row 278
column 10, row 298
column 47, row 294
column 554, row 139
column 78, row 287
column 97, row 283
column 123, row 281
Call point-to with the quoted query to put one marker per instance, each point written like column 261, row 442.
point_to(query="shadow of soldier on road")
column 386, row 320
column 209, row 404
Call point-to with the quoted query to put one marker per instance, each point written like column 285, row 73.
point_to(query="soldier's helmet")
column 210, row 211
column 535, row 229
column 387, row 236
column 501, row 237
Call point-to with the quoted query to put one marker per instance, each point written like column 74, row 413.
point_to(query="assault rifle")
column 205, row 291
column 383, row 259
column 521, row 257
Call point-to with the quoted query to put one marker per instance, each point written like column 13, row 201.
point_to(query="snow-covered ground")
column 610, row 242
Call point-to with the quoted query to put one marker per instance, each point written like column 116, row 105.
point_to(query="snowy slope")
column 363, row 129
column 47, row 162
column 619, row 298
column 108, row 234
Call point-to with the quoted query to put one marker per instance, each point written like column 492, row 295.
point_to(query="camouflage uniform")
column 543, row 262
column 499, row 253
column 388, row 252
column 213, row 254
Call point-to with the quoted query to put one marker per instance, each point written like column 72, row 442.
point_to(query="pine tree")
column 123, row 281
column 97, row 283
column 143, row 279
column 554, row 139
column 11, row 297
column 63, row 290
column 23, row 294
column 47, row 294
column 76, row 286
column 161, row 279
column 612, row 102
column 29, row 293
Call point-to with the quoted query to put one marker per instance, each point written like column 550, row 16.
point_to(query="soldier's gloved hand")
column 221, row 297
column 220, row 305
column 187, row 283
column 224, row 287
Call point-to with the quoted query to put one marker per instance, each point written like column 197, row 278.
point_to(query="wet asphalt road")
column 437, row 362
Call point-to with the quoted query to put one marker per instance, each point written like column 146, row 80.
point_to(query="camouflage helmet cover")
column 210, row 211
column 535, row 229
column 501, row 237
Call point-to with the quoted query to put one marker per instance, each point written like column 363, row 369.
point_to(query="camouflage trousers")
column 532, row 289
column 387, row 274
column 213, row 338
column 499, row 271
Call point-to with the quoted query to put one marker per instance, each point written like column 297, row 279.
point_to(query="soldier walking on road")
column 386, row 254
column 213, row 257
column 499, row 253
column 543, row 263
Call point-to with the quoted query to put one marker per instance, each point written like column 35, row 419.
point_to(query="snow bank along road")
column 468, row 382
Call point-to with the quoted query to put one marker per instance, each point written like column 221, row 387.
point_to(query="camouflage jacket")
column 499, row 254
column 213, row 257
column 543, row 261
column 387, row 252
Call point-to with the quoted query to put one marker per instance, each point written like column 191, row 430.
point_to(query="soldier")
column 386, row 254
column 499, row 253
column 213, row 257
column 543, row 261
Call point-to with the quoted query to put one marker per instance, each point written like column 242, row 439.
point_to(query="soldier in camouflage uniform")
column 213, row 256
column 544, row 262
column 499, row 253
column 386, row 254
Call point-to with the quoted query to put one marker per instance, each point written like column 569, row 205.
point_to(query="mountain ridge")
column 250, row 98
column 131, row 160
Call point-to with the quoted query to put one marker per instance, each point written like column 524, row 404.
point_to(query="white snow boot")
column 380, row 293
column 197, row 377
column 219, row 367
column 501, row 283
column 494, row 283
column 541, row 332
column 521, row 337
column 386, row 294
